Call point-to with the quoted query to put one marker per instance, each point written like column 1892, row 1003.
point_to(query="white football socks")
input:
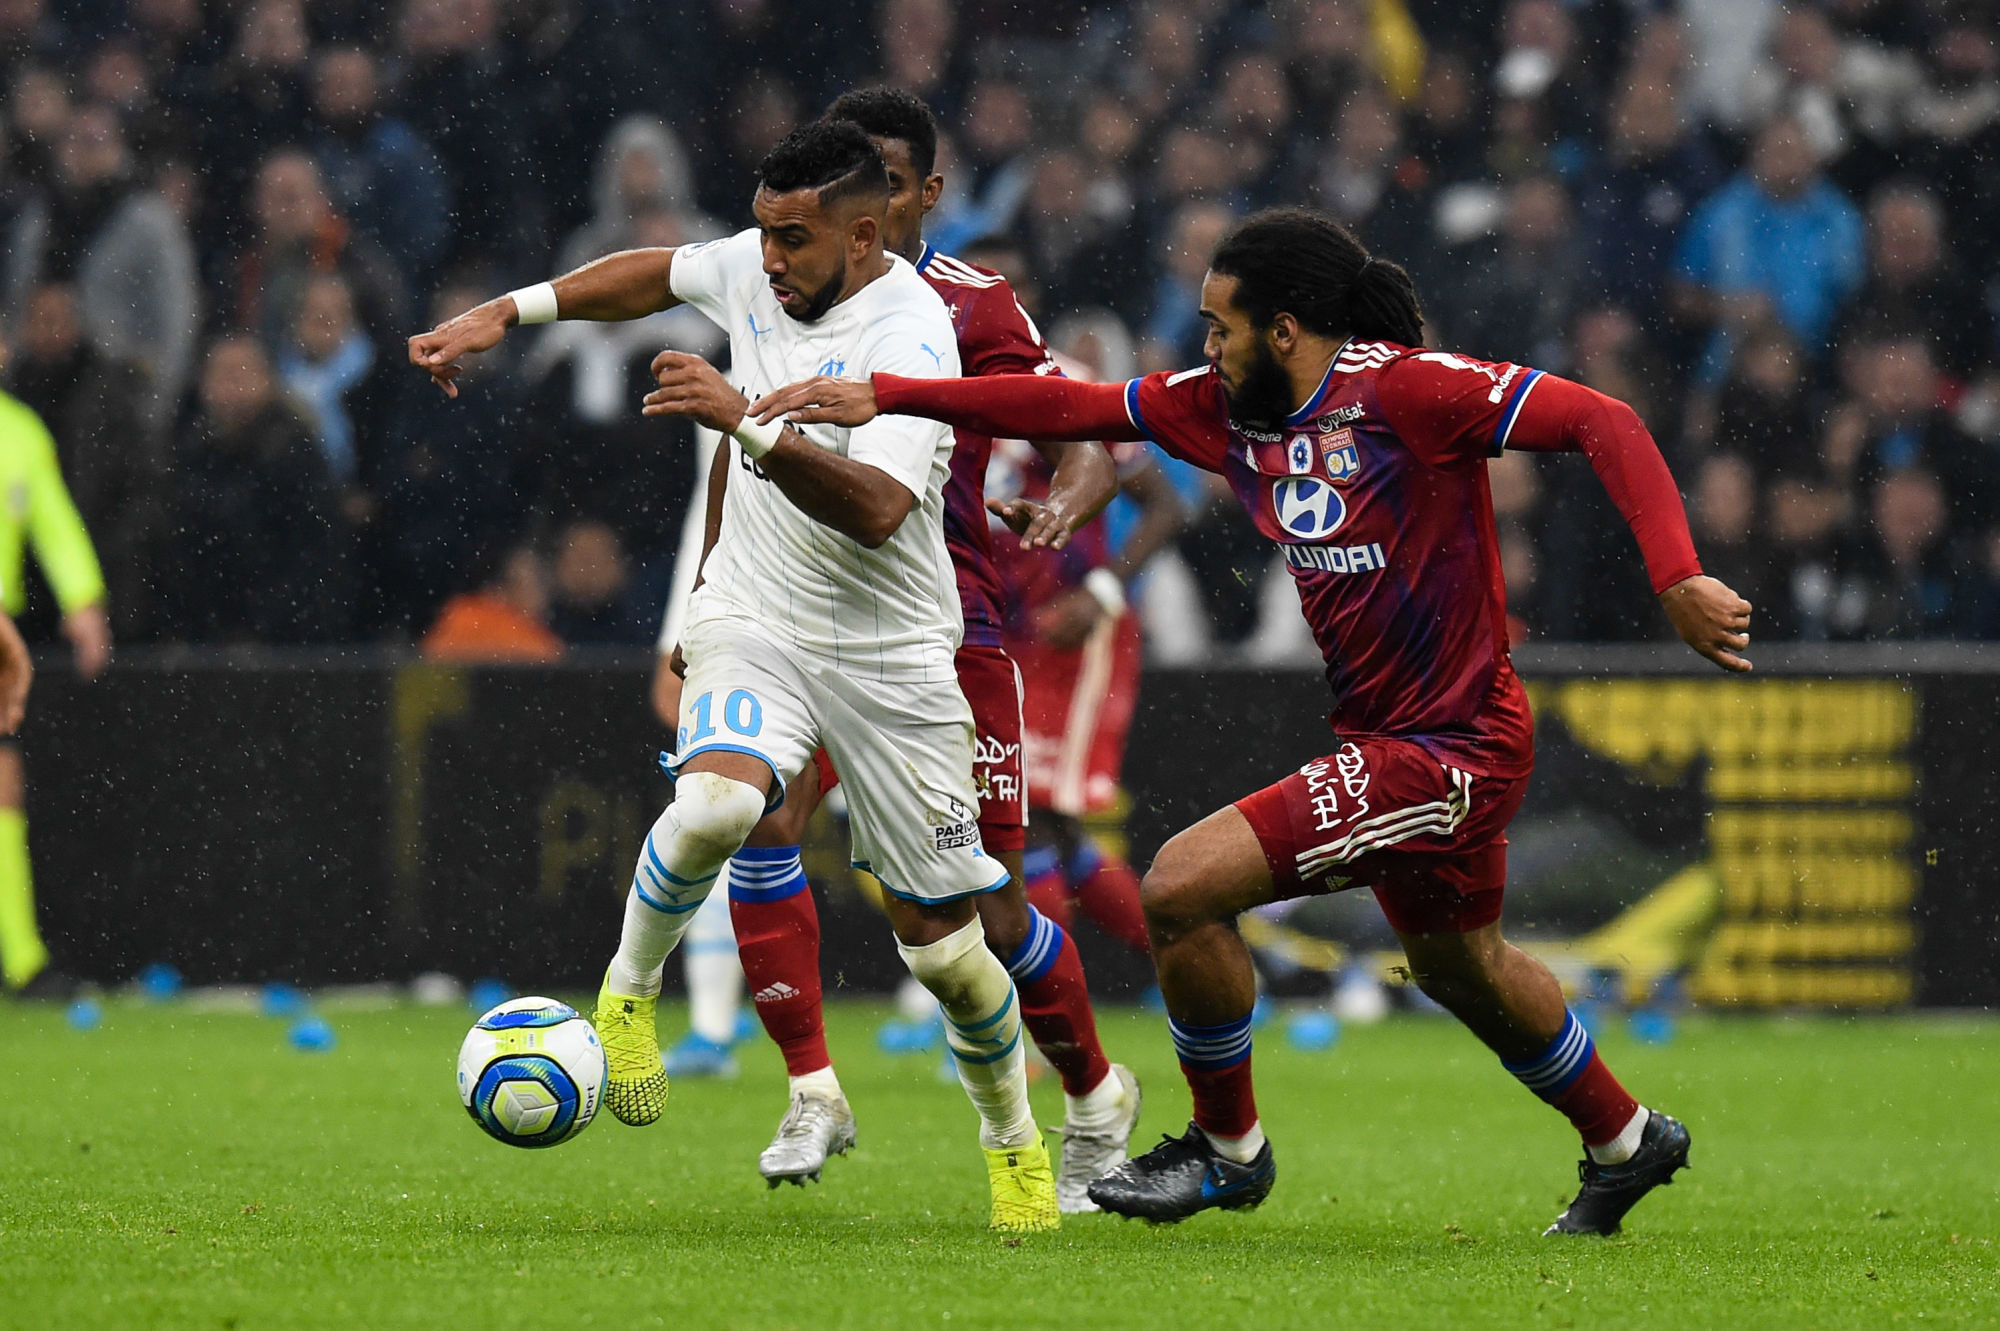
column 822, row 1084
column 1097, row 1108
column 714, row 975
column 982, row 1024
column 1622, row 1147
column 1242, row 1149
column 688, row 845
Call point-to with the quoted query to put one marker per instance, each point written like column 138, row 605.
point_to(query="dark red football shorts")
column 1385, row 814
column 992, row 684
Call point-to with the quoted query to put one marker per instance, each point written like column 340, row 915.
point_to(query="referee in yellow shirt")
column 36, row 510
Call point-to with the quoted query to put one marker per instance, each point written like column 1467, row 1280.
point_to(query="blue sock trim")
column 1086, row 860
column 1040, row 862
column 1038, row 951
column 766, row 873
column 1212, row 1046
column 1556, row 1068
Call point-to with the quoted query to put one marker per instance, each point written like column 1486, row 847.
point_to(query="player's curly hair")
column 1302, row 263
column 884, row 112
column 835, row 157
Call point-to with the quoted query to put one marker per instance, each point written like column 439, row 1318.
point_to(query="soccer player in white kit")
column 827, row 613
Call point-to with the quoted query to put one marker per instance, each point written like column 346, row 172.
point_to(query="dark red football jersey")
column 995, row 336
column 1376, row 491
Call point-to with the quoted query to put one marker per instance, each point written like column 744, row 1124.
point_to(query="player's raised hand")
column 689, row 386
column 821, row 400
column 478, row 329
column 1039, row 526
column 1710, row 618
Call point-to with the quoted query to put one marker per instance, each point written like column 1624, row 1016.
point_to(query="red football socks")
column 1055, row 1007
column 1108, row 895
column 778, row 941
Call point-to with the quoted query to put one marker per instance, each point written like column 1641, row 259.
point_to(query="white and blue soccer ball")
column 531, row 1072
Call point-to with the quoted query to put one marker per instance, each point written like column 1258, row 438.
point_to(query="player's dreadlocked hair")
column 1298, row 262
column 834, row 157
column 891, row 113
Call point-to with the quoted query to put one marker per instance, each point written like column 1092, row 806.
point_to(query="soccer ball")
column 530, row 1072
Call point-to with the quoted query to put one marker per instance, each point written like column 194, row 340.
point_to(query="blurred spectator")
column 993, row 170
column 1778, row 242
column 299, row 235
column 254, row 516
column 504, row 619
column 256, row 97
column 117, row 475
column 595, row 601
column 449, row 473
column 1634, row 201
column 1895, row 419
column 1082, row 257
column 1723, row 512
column 1370, row 181
column 1174, row 327
column 128, row 256
column 1913, row 283
column 1765, row 408
column 330, row 368
column 1952, row 132
column 380, row 173
column 1516, row 302
column 642, row 170
column 1896, row 580
column 461, row 96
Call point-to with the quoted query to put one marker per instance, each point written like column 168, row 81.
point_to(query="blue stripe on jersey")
column 1512, row 412
column 1312, row 403
column 1132, row 407
column 924, row 259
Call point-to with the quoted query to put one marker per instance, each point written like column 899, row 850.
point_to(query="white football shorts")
column 903, row 751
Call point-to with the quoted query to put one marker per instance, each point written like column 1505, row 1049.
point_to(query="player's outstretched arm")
column 628, row 285
column 1560, row 414
column 859, row 501
column 1007, row 406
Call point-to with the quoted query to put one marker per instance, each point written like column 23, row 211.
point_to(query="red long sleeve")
column 1560, row 415
column 1012, row 406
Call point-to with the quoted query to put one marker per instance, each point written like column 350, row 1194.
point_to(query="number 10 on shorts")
column 741, row 713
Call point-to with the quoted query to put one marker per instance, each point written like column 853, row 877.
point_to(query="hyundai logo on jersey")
column 1343, row 459
column 1308, row 507
column 1300, row 456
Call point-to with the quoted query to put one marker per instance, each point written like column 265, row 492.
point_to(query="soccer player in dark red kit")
column 1363, row 456
column 771, row 907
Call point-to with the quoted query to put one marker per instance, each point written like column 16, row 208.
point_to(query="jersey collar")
column 1305, row 413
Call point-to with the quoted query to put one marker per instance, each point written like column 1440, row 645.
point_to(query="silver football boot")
column 1091, row 1153
column 815, row 1127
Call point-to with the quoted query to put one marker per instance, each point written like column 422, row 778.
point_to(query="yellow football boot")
column 1024, row 1188
column 635, row 1083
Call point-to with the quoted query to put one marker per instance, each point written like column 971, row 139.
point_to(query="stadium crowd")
column 1774, row 229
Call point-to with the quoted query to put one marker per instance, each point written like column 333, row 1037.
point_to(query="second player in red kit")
column 1362, row 455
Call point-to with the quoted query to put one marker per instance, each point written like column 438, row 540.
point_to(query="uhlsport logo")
column 1308, row 507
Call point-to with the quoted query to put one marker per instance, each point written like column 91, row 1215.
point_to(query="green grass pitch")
column 177, row 1169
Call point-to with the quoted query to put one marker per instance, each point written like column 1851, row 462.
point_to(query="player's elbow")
column 873, row 528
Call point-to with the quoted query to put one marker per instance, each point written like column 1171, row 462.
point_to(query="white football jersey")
column 891, row 613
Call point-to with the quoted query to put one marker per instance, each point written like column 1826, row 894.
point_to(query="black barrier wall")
column 316, row 823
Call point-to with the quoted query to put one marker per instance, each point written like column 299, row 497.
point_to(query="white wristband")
column 757, row 440
column 1106, row 590
column 536, row 304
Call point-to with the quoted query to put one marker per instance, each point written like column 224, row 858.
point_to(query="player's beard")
column 818, row 302
column 1264, row 398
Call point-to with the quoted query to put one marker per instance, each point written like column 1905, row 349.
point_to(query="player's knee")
column 1173, row 894
column 952, row 967
column 713, row 814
